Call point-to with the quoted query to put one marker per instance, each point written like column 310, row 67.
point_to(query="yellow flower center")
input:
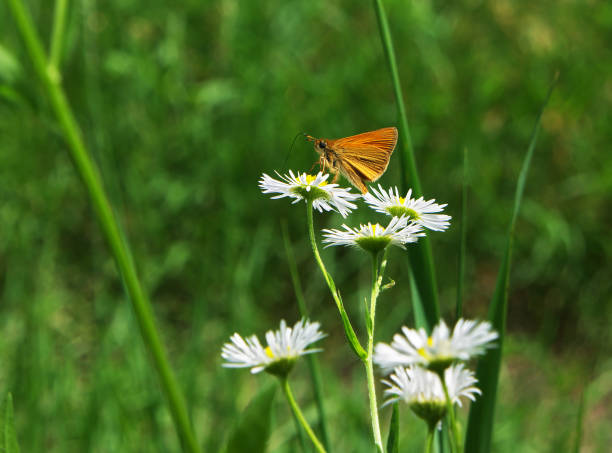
column 311, row 178
column 269, row 352
column 423, row 352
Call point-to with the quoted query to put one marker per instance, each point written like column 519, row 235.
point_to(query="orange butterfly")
column 360, row 158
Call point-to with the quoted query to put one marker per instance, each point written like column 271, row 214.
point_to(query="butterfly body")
column 360, row 158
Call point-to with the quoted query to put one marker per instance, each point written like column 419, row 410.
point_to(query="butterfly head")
column 320, row 144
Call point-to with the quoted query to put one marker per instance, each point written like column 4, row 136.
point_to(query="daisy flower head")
column 438, row 351
column 416, row 209
column 423, row 392
column 316, row 189
column 283, row 348
column 374, row 238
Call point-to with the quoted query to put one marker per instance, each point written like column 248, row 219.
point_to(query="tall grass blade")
column 8, row 437
column 480, row 423
column 252, row 429
column 51, row 81
column 419, row 254
column 393, row 439
column 462, row 241
column 57, row 36
column 313, row 362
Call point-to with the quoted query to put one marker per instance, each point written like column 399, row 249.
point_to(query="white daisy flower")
column 374, row 238
column 324, row 196
column 422, row 390
column 284, row 347
column 438, row 351
column 418, row 210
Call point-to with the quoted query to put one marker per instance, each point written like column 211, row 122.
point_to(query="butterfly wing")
column 366, row 155
column 353, row 176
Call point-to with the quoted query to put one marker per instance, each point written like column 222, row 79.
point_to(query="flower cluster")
column 409, row 216
column 424, row 371
column 422, row 365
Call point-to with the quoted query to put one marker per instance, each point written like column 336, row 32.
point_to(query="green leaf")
column 8, row 437
column 252, row 430
column 480, row 423
column 393, row 439
column 419, row 254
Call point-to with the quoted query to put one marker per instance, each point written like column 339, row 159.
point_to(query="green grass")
column 184, row 106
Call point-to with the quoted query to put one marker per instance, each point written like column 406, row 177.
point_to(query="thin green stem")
column 110, row 228
column 57, row 35
column 456, row 438
column 313, row 363
column 348, row 328
column 430, row 438
column 377, row 276
column 298, row 414
column 300, row 433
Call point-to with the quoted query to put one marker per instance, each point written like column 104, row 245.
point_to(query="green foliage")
column 8, row 437
column 184, row 105
column 252, row 430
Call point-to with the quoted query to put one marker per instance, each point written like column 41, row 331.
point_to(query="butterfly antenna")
column 303, row 134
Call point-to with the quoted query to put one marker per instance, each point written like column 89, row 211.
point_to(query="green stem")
column 110, row 228
column 348, row 328
column 368, row 362
column 300, row 433
column 313, row 363
column 456, row 438
column 57, row 35
column 430, row 438
column 298, row 414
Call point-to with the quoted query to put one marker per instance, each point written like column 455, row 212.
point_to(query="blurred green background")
column 185, row 104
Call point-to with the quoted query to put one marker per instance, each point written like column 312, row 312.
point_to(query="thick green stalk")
column 57, row 35
column 421, row 257
column 313, row 363
column 92, row 181
column 298, row 414
column 348, row 328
